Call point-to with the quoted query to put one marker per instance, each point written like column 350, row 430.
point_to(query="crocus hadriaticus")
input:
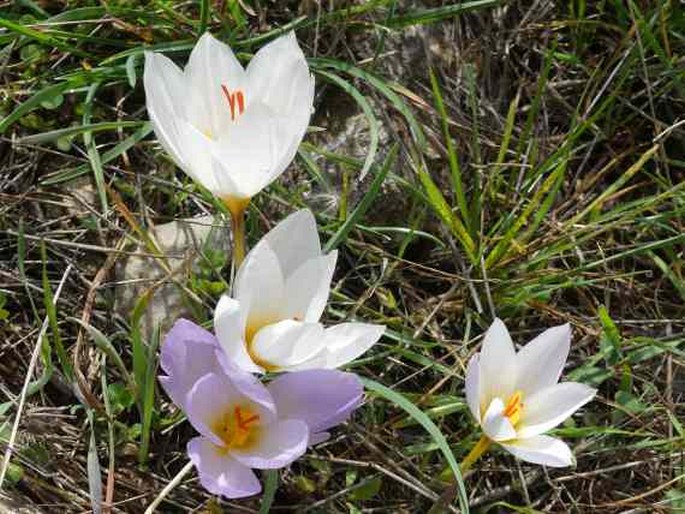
column 234, row 130
column 281, row 290
column 231, row 129
column 244, row 424
column 515, row 397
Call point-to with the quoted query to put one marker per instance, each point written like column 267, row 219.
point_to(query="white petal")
column 164, row 97
column 288, row 343
column 496, row 426
column 228, row 327
column 542, row 449
column 549, row 407
column 259, row 287
column 472, row 387
column 279, row 77
column 497, row 364
column 251, row 148
column 541, row 361
column 278, row 445
column 195, row 150
column 307, row 289
column 343, row 343
column 211, row 66
column 295, row 240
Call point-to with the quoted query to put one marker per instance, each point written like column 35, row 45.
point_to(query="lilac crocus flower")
column 242, row 423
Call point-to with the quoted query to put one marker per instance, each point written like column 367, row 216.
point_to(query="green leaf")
column 610, row 338
column 367, row 490
column 131, row 70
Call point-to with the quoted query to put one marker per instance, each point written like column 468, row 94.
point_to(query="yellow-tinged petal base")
column 238, row 427
column 514, row 408
column 251, row 328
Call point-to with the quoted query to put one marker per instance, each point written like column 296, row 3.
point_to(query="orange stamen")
column 241, row 101
column 231, row 100
column 513, row 408
column 244, row 424
column 236, row 101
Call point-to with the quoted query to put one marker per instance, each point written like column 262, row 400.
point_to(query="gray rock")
column 183, row 243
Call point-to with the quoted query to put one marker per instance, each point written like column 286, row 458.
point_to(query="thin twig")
column 169, row 487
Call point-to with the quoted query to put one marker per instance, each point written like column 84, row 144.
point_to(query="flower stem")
column 476, row 453
column 237, row 208
column 169, row 487
column 448, row 495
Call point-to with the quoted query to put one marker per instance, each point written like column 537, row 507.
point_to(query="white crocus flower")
column 233, row 130
column 280, row 292
column 515, row 397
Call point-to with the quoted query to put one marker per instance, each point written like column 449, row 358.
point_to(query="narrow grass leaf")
column 270, row 487
column 429, row 426
column 443, row 210
column 44, row 95
column 93, row 154
column 53, row 135
column 41, row 37
column 51, row 310
column 426, row 16
column 452, row 159
column 381, row 86
column 368, row 113
column 148, row 397
column 365, row 203
column 108, row 156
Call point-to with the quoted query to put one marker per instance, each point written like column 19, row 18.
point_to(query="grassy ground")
column 523, row 160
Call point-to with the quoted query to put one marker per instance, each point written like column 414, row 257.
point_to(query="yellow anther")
column 514, row 407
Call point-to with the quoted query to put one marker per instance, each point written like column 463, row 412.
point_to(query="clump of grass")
column 531, row 169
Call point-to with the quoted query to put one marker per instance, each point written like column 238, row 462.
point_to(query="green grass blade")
column 104, row 344
column 205, row 13
column 383, row 88
column 53, row 135
column 51, row 310
column 93, row 154
column 429, row 426
column 365, row 203
column 270, row 487
column 108, row 156
column 368, row 113
column 426, row 16
column 41, row 37
column 148, row 397
column 443, row 210
column 453, row 160
column 35, row 101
